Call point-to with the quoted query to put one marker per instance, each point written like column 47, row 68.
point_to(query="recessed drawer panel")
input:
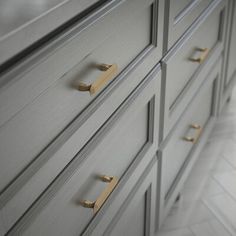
column 126, row 136
column 131, row 206
column 38, row 106
column 231, row 71
column 182, row 14
column 109, row 35
column 188, row 130
column 183, row 64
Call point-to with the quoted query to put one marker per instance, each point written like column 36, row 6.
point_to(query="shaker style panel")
column 182, row 14
column 177, row 154
column 184, row 138
column 183, row 64
column 73, row 199
column 231, row 71
column 72, row 82
column 135, row 214
column 109, row 35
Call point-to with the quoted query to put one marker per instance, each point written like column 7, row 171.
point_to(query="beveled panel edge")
column 180, row 16
column 214, row 53
column 209, row 63
column 191, row 159
column 191, row 30
column 203, row 73
column 133, row 191
column 213, row 78
column 54, row 44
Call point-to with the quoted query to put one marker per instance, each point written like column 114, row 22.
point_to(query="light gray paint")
column 181, row 76
column 25, row 22
column 181, row 15
column 137, row 69
column 124, row 208
column 177, row 155
column 232, row 49
column 117, row 131
column 143, row 104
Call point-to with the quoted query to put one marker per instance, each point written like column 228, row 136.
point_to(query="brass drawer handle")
column 193, row 140
column 96, row 205
column 205, row 52
column 108, row 73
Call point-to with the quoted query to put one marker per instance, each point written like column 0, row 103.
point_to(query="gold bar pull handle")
column 205, row 52
column 189, row 139
column 96, row 205
column 193, row 140
column 109, row 72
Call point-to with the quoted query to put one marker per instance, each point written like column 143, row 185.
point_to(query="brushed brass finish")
column 193, row 140
column 189, row 139
column 96, row 205
column 195, row 126
column 109, row 71
column 201, row 59
column 87, row 203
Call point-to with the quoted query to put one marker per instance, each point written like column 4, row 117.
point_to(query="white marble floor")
column 208, row 202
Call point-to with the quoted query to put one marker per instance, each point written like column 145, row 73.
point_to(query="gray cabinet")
column 46, row 104
column 179, row 153
column 104, row 115
column 181, row 15
column 229, row 78
column 136, row 214
column 182, row 65
column 45, row 113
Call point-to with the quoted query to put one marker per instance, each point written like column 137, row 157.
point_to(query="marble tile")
column 228, row 182
column 212, row 149
column 178, row 232
column 210, row 228
column 223, row 131
column 219, row 228
column 196, row 180
column 222, row 166
column 229, row 152
column 225, row 126
column 224, row 208
column 183, row 217
column 212, row 188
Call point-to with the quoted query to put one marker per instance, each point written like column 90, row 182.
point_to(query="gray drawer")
column 185, row 62
column 182, row 14
column 232, row 47
column 178, row 148
column 177, row 154
column 128, row 135
column 104, row 36
column 39, row 103
column 131, row 207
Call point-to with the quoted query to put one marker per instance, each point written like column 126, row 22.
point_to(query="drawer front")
column 131, row 208
column 188, row 130
column 231, row 72
column 125, row 137
column 193, row 55
column 41, row 104
column 109, row 35
column 182, row 14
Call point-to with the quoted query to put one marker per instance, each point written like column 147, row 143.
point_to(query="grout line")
column 220, row 218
